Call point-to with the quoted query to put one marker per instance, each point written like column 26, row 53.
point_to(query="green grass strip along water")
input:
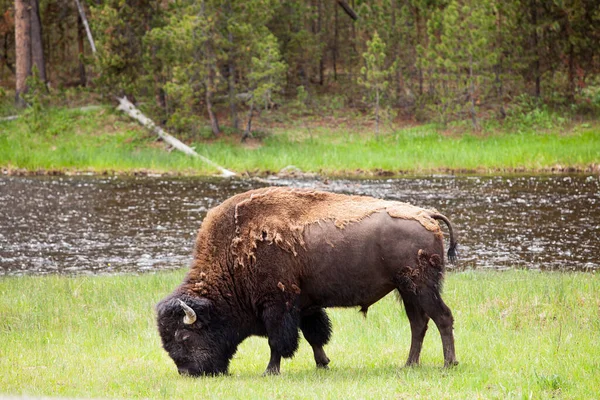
column 100, row 140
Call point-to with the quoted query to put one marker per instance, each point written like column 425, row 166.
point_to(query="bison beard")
column 267, row 262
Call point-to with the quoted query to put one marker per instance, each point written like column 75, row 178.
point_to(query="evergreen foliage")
column 375, row 76
column 190, row 61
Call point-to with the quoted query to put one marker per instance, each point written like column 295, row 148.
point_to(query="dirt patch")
column 252, row 144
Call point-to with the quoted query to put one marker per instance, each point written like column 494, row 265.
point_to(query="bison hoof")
column 323, row 363
column 271, row 372
column 410, row 363
column 449, row 364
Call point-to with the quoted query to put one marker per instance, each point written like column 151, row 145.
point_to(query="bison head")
column 194, row 335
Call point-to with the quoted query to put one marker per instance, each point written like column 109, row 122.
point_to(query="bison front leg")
column 316, row 329
column 282, row 331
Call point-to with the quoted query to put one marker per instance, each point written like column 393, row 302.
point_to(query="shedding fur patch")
column 429, row 270
column 279, row 215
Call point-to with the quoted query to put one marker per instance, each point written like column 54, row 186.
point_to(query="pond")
column 104, row 225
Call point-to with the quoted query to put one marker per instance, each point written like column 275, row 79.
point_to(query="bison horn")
column 190, row 314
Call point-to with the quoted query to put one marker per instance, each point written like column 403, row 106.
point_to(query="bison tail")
column 452, row 248
column 452, row 252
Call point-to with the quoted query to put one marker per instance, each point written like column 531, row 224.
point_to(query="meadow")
column 102, row 141
column 519, row 334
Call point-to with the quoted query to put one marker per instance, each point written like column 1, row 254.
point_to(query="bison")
column 269, row 261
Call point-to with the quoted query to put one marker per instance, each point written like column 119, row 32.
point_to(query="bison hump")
column 279, row 216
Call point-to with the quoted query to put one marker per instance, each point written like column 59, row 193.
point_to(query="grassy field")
column 99, row 140
column 518, row 334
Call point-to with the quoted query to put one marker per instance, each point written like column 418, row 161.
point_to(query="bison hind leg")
column 438, row 311
column 316, row 328
column 420, row 287
column 418, row 325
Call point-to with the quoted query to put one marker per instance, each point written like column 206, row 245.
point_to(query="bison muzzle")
column 269, row 261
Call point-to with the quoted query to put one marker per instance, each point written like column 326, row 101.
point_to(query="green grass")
column 101, row 140
column 518, row 334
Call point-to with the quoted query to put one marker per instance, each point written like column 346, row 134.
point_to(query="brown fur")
column 279, row 215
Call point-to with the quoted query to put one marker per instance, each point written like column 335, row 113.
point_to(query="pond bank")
column 68, row 141
column 293, row 172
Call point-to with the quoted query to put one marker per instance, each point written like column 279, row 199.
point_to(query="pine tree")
column 266, row 75
column 460, row 56
column 375, row 76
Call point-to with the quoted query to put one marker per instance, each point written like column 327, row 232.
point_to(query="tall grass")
column 332, row 152
column 518, row 334
column 59, row 139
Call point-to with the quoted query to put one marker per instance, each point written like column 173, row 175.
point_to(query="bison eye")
column 183, row 336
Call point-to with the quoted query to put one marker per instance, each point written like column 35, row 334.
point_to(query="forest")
column 191, row 64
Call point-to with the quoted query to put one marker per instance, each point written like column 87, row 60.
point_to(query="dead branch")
column 127, row 107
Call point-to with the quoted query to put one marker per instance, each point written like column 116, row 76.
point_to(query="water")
column 100, row 225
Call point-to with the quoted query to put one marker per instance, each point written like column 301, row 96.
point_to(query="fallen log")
column 9, row 118
column 86, row 25
column 127, row 107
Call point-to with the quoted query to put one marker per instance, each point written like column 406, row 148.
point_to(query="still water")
column 103, row 225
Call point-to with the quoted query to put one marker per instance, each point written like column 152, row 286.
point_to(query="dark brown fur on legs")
column 418, row 326
column 316, row 329
column 420, row 291
column 436, row 309
column 282, row 332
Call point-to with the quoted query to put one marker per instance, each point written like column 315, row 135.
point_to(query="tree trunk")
column 351, row 13
column 377, row 112
column 571, row 74
column 214, row 122
column 231, row 73
column 231, row 83
column 419, row 38
column 37, row 46
column 22, row 48
column 4, row 58
column 536, row 63
column 320, row 36
column 354, row 36
column 498, row 66
column 472, row 94
column 80, row 29
column 396, row 52
column 248, row 132
column 334, row 51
